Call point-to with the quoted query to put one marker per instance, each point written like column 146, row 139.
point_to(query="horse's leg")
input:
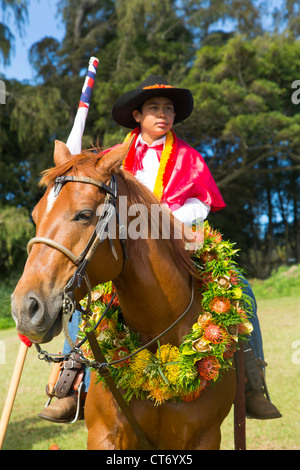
column 98, row 418
column 107, row 426
column 216, row 404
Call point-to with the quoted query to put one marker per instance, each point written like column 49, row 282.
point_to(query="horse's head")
column 67, row 214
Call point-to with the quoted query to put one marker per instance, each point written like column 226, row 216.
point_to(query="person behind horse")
column 191, row 193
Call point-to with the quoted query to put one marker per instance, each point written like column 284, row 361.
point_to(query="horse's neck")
column 152, row 290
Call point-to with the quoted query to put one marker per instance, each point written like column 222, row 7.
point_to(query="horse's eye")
column 84, row 215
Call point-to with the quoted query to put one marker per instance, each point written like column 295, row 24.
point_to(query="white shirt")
column 193, row 209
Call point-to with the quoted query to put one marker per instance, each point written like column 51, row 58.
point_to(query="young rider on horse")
column 189, row 190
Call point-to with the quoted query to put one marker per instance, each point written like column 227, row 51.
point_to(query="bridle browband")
column 100, row 233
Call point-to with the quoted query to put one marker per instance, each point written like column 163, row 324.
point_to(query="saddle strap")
column 99, row 357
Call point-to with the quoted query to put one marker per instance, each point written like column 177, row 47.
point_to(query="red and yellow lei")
column 167, row 161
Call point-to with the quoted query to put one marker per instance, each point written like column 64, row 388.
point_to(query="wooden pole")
column 240, row 402
column 12, row 391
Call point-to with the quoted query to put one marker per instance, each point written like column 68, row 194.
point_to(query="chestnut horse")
column 153, row 288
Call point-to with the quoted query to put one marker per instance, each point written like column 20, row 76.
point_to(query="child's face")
column 156, row 118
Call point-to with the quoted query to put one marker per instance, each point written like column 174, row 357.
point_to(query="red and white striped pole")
column 75, row 138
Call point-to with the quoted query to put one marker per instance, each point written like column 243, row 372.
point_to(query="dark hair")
column 140, row 107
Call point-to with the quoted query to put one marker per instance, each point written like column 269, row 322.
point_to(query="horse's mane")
column 86, row 163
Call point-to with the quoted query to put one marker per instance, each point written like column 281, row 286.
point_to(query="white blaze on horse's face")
column 50, row 200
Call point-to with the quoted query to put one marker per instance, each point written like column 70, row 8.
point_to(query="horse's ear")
column 61, row 153
column 113, row 159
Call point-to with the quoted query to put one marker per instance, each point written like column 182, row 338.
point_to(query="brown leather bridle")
column 100, row 233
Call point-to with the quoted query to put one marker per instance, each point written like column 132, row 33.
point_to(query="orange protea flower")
column 119, row 354
column 195, row 393
column 208, row 368
column 220, row 305
column 214, row 333
column 107, row 297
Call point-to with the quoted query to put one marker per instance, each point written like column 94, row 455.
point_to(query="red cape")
column 191, row 177
column 186, row 176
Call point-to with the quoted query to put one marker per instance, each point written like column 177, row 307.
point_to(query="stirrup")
column 78, row 406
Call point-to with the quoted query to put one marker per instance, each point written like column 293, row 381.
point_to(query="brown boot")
column 69, row 405
column 258, row 403
column 259, row 407
column 63, row 410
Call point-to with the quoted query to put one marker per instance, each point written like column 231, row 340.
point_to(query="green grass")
column 284, row 282
column 279, row 316
column 26, row 431
column 279, row 320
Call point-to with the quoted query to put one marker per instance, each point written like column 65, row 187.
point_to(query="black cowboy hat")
column 154, row 85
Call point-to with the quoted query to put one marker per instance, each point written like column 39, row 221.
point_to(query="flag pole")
column 74, row 141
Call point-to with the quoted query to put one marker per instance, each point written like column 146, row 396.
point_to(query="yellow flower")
column 158, row 390
column 237, row 292
column 167, row 355
column 139, row 362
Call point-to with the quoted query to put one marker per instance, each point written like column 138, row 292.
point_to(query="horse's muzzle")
column 40, row 321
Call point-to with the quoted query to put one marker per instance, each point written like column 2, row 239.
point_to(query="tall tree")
column 17, row 8
column 246, row 125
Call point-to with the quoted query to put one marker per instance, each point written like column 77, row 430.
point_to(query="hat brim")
column 123, row 108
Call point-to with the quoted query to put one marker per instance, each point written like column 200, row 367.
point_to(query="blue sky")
column 42, row 21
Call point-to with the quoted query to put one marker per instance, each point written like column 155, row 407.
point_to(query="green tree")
column 245, row 123
column 18, row 8
column 15, row 231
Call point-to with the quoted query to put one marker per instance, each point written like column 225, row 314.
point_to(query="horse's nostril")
column 33, row 306
column 35, row 310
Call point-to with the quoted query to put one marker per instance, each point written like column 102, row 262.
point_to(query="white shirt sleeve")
column 191, row 210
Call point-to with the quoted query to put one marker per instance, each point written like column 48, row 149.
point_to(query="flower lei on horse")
column 178, row 373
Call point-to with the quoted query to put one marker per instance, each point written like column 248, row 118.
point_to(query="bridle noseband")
column 100, row 233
